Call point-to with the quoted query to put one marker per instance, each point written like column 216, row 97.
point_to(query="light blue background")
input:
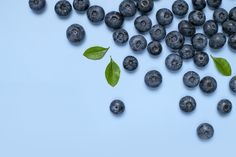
column 55, row 103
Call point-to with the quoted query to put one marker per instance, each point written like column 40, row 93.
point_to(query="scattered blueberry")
column 180, row 7
column 187, row 104
column 217, row 41
column 187, row 51
column 201, row 59
column 214, row 3
column 153, row 79
column 164, row 16
column 63, row 8
column 191, row 79
column 175, row 40
column 145, row 6
column 127, row 8
column 220, row 15
column 37, row 5
column 120, row 36
column 224, row 106
column 81, row 5
column 232, row 14
column 173, row 62
column 199, row 41
column 114, row 20
column 232, row 84
column 186, row 28
column 117, row 107
column 143, row 23
column 197, row 18
column 205, row 131
column 138, row 43
column 232, row 41
column 154, row 48
column 208, row 84
column 199, row 4
column 210, row 28
column 157, row 32
column 229, row 27
column 130, row 63
column 75, row 33
column 95, row 14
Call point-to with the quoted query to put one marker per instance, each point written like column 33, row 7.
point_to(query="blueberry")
column 232, row 41
column 81, row 5
column 208, row 84
column 180, row 7
column 199, row 41
column 205, row 131
column 127, row 8
column 210, row 28
column 229, row 27
column 191, row 79
column 75, row 33
column 186, row 28
column 117, row 107
column 187, row 104
column 114, row 20
column 220, row 15
column 63, row 8
column 154, row 48
column 143, row 23
column 217, row 41
column 173, row 62
column 130, row 63
column 175, row 40
column 224, row 106
column 232, row 84
column 187, row 51
column 214, row 3
column 138, row 43
column 164, row 16
column 95, row 14
column 232, row 14
column 197, row 18
column 201, row 59
column 145, row 6
column 37, row 5
column 153, row 79
column 157, row 32
column 120, row 36
column 199, row 4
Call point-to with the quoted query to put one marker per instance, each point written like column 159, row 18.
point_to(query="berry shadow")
column 39, row 12
column 64, row 17
column 154, row 88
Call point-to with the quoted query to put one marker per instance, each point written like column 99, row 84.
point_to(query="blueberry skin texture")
column 164, row 16
column 127, row 8
column 117, row 107
column 214, row 3
column 208, row 84
column 81, row 5
column 175, row 40
column 217, row 41
column 232, row 84
column 187, row 104
column 186, row 28
column 210, row 28
column 191, row 79
column 173, row 62
column 63, row 8
column 154, row 48
column 114, row 20
column 75, row 33
column 232, row 41
column 224, row 106
column 37, row 5
column 157, row 32
column 232, row 14
column 199, row 4
column 138, row 43
column 220, row 15
column 153, row 79
column 205, row 131
column 180, row 8
column 143, row 23
column 187, row 51
column 201, row 59
column 229, row 27
column 197, row 18
column 145, row 6
column 130, row 63
column 199, row 41
column 120, row 36
column 95, row 14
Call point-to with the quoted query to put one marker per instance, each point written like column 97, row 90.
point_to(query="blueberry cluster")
column 175, row 41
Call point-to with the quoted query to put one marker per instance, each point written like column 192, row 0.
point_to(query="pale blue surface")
column 55, row 103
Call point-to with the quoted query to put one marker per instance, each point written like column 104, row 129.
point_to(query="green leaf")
column 112, row 73
column 96, row 52
column 222, row 66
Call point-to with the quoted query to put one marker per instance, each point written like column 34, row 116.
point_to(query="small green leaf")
column 222, row 65
column 95, row 53
column 112, row 73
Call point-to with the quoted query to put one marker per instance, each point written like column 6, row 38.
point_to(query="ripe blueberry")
column 154, row 48
column 186, row 28
column 138, row 43
column 229, row 27
column 117, row 107
column 153, row 79
column 95, row 14
column 37, row 5
column 220, row 15
column 214, row 3
column 81, row 5
column 157, row 32
column 199, row 41
column 197, row 18
column 114, row 20
column 130, row 63
column 75, row 33
column 217, row 41
column 210, row 28
column 201, row 59
column 63, row 8
column 145, row 6
column 175, row 40
column 205, row 131
column 191, row 79
column 208, row 84
column 224, row 106
column 187, row 51
column 164, row 16
column 143, row 23
column 180, row 7
column 232, row 14
column 232, row 84
column 199, row 4
column 187, row 104
column 120, row 36
column 173, row 62
column 127, row 8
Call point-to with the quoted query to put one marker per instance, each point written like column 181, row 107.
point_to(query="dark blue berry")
column 143, row 23
column 187, row 51
column 232, row 84
column 214, row 3
column 229, row 27
column 63, row 8
column 175, row 40
column 138, row 43
column 81, row 5
column 191, row 79
column 180, row 7
column 75, row 33
column 130, row 63
column 154, row 48
column 117, row 107
column 220, row 15
column 217, row 41
column 210, row 28
column 173, row 62
column 199, row 41
column 232, row 14
column 153, row 79
column 205, row 131
column 232, row 41
column 199, row 4
column 37, row 5
column 208, row 84
column 114, row 20
column 201, row 59
column 186, row 28
column 120, row 36
column 145, row 6
column 224, row 106
column 187, row 104
column 157, row 32
column 127, row 8
column 164, row 16
column 197, row 18
column 95, row 14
